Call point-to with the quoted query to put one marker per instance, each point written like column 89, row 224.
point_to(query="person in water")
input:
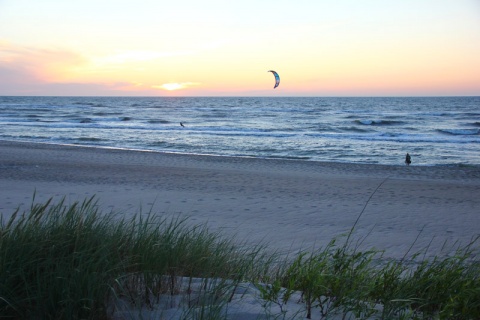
column 408, row 159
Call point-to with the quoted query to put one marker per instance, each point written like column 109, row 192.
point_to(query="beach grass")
column 60, row 261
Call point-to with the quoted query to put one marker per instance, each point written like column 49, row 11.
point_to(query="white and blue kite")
column 277, row 78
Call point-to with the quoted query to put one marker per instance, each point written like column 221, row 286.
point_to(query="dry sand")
column 288, row 204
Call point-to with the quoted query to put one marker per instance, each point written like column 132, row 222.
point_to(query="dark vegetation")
column 62, row 261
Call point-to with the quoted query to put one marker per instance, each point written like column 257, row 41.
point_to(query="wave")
column 215, row 115
column 469, row 115
column 158, row 121
column 90, row 104
column 397, row 137
column 104, row 113
column 253, row 134
column 354, row 129
column 47, row 121
column 169, row 146
column 89, row 139
column 369, row 122
column 460, row 132
column 281, row 157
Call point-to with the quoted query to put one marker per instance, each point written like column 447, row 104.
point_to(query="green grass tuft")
column 61, row 261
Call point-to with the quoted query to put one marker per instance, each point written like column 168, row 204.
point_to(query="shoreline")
column 37, row 144
column 288, row 204
column 179, row 153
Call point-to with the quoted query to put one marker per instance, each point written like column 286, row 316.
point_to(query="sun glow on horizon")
column 172, row 86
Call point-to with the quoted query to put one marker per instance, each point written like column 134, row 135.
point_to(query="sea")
column 379, row 130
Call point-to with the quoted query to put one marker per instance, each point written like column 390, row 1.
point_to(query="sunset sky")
column 225, row 48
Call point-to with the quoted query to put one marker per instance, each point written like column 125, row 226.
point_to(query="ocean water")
column 434, row 130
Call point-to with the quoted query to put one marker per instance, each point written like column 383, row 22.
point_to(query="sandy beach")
column 287, row 204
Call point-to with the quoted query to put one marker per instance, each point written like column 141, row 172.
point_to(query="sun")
column 171, row 86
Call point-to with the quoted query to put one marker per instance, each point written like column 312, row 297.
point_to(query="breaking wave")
column 460, row 132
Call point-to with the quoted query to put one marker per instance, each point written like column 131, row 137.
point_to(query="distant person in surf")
column 182, row 124
column 408, row 159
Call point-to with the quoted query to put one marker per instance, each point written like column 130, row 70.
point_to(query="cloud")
column 39, row 71
column 40, row 63
column 136, row 56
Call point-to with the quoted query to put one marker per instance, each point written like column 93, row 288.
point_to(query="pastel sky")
column 225, row 48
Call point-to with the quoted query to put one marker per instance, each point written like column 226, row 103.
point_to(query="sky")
column 226, row 48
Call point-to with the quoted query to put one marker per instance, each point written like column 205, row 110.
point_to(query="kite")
column 277, row 78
